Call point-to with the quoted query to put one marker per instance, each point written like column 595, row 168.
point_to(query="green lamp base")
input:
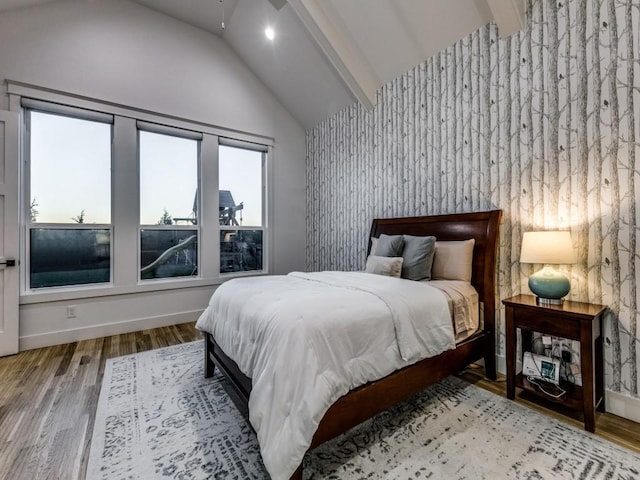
column 549, row 285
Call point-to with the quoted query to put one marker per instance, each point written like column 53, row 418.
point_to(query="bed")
column 373, row 397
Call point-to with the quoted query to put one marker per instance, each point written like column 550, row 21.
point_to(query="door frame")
column 9, row 234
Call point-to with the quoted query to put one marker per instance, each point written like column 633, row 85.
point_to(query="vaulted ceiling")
column 327, row 54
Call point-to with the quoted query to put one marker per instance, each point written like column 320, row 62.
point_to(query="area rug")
column 158, row 417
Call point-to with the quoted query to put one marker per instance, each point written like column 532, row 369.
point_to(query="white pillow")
column 389, row 266
column 453, row 260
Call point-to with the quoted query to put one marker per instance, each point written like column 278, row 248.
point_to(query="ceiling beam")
column 509, row 15
column 350, row 64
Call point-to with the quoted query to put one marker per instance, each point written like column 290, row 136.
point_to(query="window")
column 241, row 207
column 168, row 206
column 123, row 204
column 69, row 206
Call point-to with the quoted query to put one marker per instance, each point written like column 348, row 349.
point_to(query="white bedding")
column 327, row 333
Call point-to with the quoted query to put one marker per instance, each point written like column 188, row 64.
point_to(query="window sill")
column 147, row 286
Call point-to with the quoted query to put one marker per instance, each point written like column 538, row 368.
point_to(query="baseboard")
column 105, row 330
column 622, row 405
column 501, row 364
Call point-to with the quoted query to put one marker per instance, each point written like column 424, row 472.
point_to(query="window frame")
column 29, row 106
column 124, row 151
column 178, row 133
column 264, row 150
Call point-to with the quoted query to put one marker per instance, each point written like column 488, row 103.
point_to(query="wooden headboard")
column 482, row 226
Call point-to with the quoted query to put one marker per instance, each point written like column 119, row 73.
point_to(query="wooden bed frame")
column 372, row 398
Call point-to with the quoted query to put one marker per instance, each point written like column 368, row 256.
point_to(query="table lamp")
column 548, row 248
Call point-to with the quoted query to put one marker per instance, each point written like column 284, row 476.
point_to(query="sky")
column 168, row 176
column 71, row 170
column 240, row 171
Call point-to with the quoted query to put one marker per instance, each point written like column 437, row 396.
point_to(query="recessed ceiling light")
column 269, row 33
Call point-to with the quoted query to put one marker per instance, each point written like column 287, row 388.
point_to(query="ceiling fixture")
column 222, row 3
column 278, row 4
column 269, row 33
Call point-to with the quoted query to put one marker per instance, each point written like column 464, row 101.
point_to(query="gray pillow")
column 418, row 255
column 389, row 246
column 374, row 245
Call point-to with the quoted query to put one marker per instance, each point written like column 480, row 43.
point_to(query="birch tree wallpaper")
column 544, row 124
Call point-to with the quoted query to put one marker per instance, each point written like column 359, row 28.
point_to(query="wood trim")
column 22, row 89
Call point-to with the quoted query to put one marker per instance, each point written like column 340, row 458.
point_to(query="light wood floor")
column 48, row 399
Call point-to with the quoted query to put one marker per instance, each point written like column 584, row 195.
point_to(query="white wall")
column 121, row 52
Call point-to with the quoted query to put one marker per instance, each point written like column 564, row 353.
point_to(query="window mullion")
column 25, row 204
column 210, row 229
column 125, row 201
column 267, row 181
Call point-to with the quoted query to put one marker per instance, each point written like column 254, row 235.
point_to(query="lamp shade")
column 548, row 247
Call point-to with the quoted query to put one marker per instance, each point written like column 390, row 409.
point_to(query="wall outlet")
column 71, row 311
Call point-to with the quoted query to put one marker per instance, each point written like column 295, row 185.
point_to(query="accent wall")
column 544, row 124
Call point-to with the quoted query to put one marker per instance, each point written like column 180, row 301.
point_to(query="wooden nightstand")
column 571, row 320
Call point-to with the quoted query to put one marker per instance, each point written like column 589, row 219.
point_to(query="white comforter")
column 306, row 339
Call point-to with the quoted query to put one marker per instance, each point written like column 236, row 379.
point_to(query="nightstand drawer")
column 548, row 323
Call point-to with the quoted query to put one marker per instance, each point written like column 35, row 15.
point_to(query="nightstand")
column 571, row 320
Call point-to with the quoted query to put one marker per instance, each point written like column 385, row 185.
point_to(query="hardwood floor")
column 48, row 399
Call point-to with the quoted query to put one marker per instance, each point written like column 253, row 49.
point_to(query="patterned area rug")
column 158, row 417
